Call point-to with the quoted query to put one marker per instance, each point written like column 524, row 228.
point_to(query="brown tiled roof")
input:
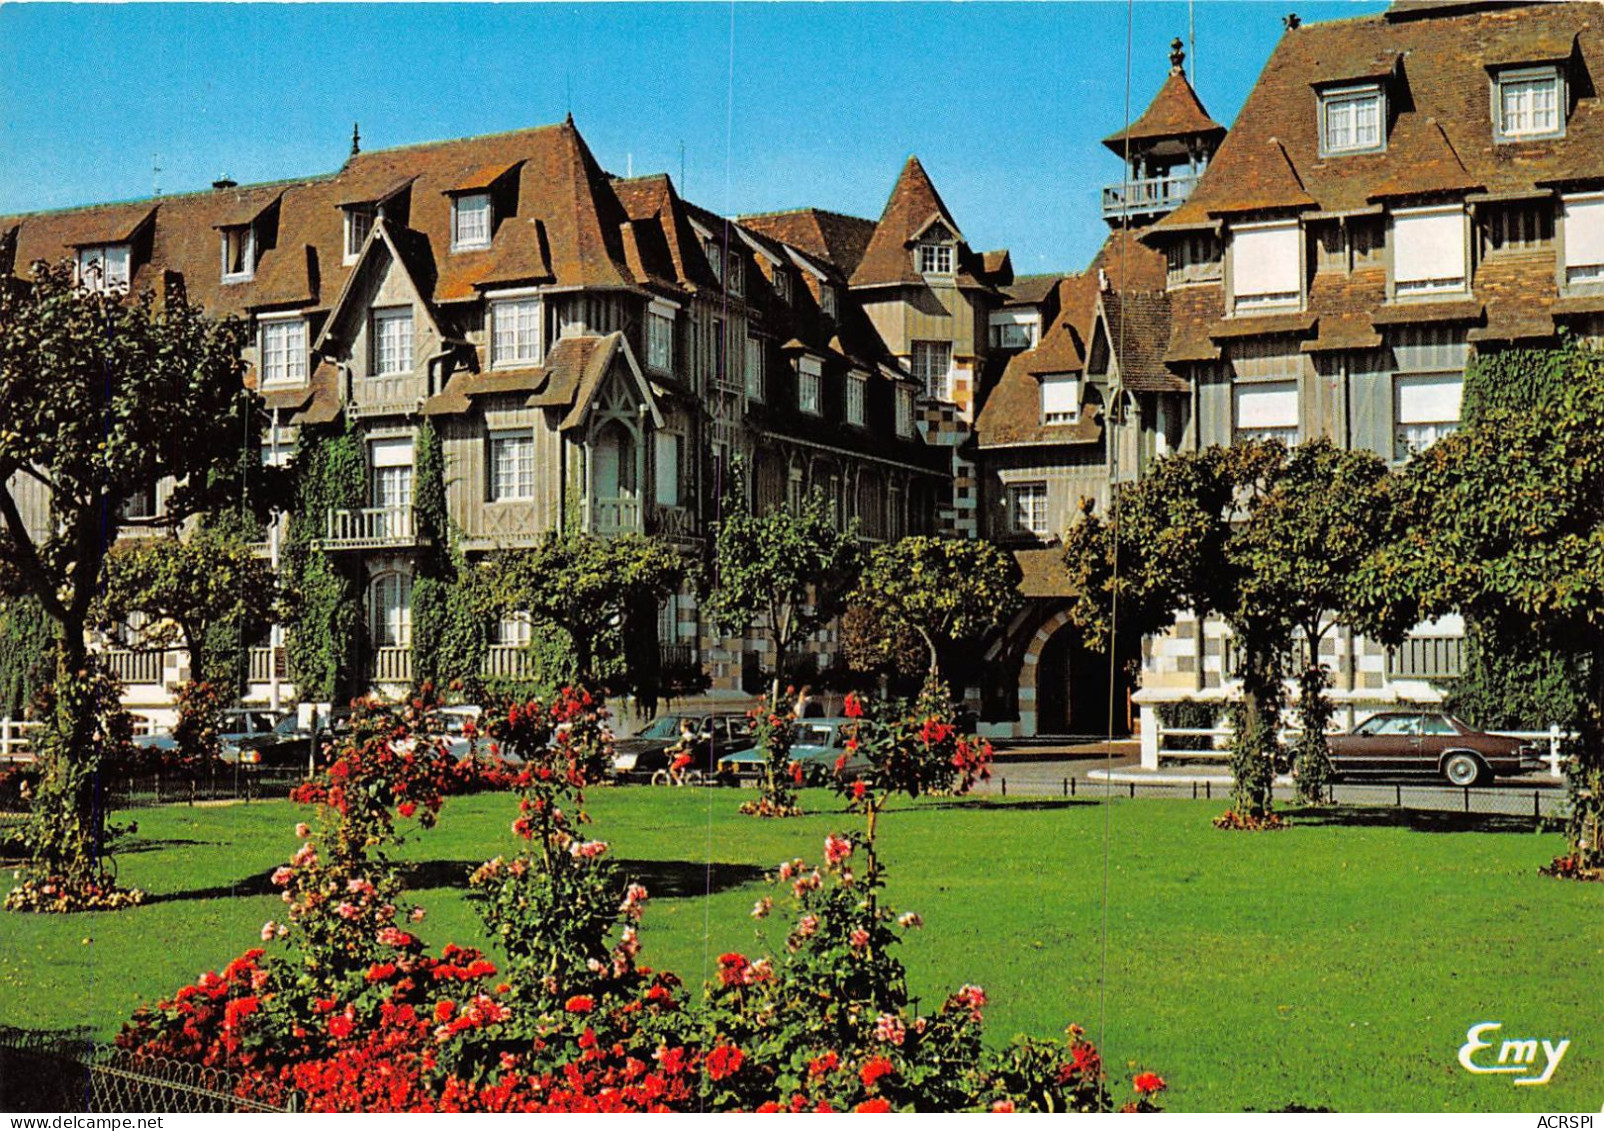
column 1129, row 263
column 1255, row 325
column 1434, row 168
column 1043, row 573
column 914, row 204
column 1340, row 332
column 1138, row 334
column 1174, row 112
column 325, row 403
column 567, row 362
column 1029, row 290
column 836, row 238
column 1519, row 291
column 1451, row 310
column 1193, row 311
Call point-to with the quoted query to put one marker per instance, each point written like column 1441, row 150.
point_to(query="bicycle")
column 679, row 772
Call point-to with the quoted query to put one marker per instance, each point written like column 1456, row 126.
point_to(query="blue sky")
column 817, row 104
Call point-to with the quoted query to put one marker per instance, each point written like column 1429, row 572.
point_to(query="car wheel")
column 1464, row 769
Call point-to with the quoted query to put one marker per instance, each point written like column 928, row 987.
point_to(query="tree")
column 104, row 395
column 948, row 591
column 788, row 572
column 1503, row 521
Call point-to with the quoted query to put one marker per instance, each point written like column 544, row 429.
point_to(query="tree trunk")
column 1585, row 828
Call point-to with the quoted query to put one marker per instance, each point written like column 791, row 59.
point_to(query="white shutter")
column 1270, row 405
column 667, row 454
column 1265, row 261
column 1428, row 245
column 392, row 453
column 1431, row 399
column 1060, row 397
column 1584, row 232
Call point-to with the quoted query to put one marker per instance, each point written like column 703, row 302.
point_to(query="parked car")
column 1423, row 742
column 255, row 737
column 712, row 736
column 816, row 745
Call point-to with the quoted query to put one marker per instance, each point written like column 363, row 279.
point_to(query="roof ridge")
column 459, row 140
column 189, row 194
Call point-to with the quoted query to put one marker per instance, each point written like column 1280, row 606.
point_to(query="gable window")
column 239, row 253
column 392, row 341
column 665, row 449
column 1426, row 407
column 857, row 387
column 1027, row 508
column 104, row 268
column 470, row 221
column 515, row 331
column 904, row 411
column 1266, row 266
column 935, row 259
column 1428, row 250
column 1014, row 329
column 715, row 259
column 660, row 337
column 754, row 368
column 358, row 223
column 512, row 466
column 1265, row 410
column 932, row 364
column 782, row 285
column 827, row 300
column 1584, row 240
column 1351, row 120
column 1527, row 104
column 737, row 276
column 808, row 378
column 284, row 351
column 1060, row 399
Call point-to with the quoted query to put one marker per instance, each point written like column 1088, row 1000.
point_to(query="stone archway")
column 1064, row 686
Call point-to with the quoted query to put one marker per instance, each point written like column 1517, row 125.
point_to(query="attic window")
column 1060, row 398
column 104, row 268
column 470, row 221
column 1428, row 250
column 827, row 300
column 1266, row 266
column 857, row 393
column 515, row 337
column 715, row 259
column 1194, row 258
column 904, row 411
column 358, row 223
column 1352, row 120
column 935, row 259
column 1528, row 104
column 782, row 285
column 737, row 275
column 808, row 377
column 284, row 351
column 239, row 253
column 1015, row 329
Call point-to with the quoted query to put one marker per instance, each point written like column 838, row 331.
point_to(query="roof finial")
column 356, row 139
column 1177, row 57
column 1290, row 21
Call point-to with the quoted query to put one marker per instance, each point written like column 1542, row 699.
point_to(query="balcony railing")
column 671, row 521
column 392, row 665
column 1427, row 657
column 507, row 661
column 369, row 528
column 263, row 661
column 130, row 666
column 1147, row 195
column 615, row 516
column 676, row 655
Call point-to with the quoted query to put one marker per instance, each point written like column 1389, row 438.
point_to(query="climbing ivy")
column 449, row 636
column 325, row 624
column 27, row 654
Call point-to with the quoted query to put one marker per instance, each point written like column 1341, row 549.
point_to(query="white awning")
column 1584, row 232
column 392, row 453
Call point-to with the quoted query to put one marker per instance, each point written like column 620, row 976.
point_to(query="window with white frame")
column 284, row 351
column 104, row 268
column 857, row 394
column 935, row 259
column 737, row 274
column 470, row 220
column 512, row 466
column 1027, row 508
column 515, row 332
column 1352, row 120
column 754, row 368
column 660, row 337
column 1426, row 408
column 1060, row 398
column 1265, row 410
column 139, row 503
column 358, row 223
column 904, row 411
column 390, row 610
column 515, row 630
column 1015, row 329
column 1266, row 266
column 239, row 253
column 1528, row 103
column 932, row 364
column 665, row 449
column 1428, row 251
column 827, row 305
column 392, row 341
column 809, row 374
column 391, row 460
column 1584, row 239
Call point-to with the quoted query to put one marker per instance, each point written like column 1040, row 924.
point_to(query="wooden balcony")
column 615, row 516
column 678, row 524
column 1427, row 657
column 1147, row 196
column 370, row 528
column 392, row 665
column 132, row 666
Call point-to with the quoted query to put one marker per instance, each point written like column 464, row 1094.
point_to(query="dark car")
column 712, row 737
column 1406, row 743
column 254, row 737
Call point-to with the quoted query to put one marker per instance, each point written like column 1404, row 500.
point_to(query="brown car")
column 1419, row 742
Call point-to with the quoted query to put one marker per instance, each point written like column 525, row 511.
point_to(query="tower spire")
column 1177, row 57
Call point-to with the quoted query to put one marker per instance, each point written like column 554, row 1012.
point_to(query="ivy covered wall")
column 449, row 636
column 27, row 652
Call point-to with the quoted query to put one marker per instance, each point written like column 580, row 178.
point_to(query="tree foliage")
column 787, row 572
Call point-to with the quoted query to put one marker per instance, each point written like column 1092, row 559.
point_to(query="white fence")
column 14, row 744
column 1155, row 750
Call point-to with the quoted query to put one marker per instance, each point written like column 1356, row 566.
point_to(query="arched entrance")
column 1064, row 686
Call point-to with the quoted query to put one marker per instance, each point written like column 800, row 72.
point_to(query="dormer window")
column 660, row 335
column 1352, row 120
column 809, row 374
column 857, row 394
column 935, row 259
column 515, row 332
column 284, row 351
column 239, row 253
column 470, row 221
column 737, row 275
column 827, row 300
column 904, row 411
column 105, row 268
column 1266, row 266
column 1060, row 398
column 358, row 223
column 1528, row 104
column 782, row 285
column 391, row 349
column 715, row 259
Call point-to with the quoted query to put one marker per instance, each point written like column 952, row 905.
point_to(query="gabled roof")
column 385, row 248
column 1435, row 169
column 1138, row 328
column 914, row 205
column 838, row 239
column 1175, row 112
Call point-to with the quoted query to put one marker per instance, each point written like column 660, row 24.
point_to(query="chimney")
column 225, row 182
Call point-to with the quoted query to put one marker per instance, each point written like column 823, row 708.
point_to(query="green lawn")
column 1333, row 965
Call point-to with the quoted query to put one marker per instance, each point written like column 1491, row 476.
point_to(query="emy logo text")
column 1519, row 1055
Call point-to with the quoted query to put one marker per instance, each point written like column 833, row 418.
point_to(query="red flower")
column 874, row 1106
column 873, row 1069
column 854, row 707
column 724, row 1060
column 1149, row 1082
column 340, row 1026
column 444, row 1009
column 858, row 790
column 819, row 1066
column 407, row 808
column 579, row 1004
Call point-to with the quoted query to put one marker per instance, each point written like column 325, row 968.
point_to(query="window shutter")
column 1265, row 261
column 1433, row 399
column 667, row 453
column 1428, row 245
column 1270, row 405
column 1060, row 396
column 1584, row 232
column 392, row 453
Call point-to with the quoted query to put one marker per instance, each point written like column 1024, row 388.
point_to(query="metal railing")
column 134, row 666
column 1148, row 194
column 365, row 528
column 615, row 516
